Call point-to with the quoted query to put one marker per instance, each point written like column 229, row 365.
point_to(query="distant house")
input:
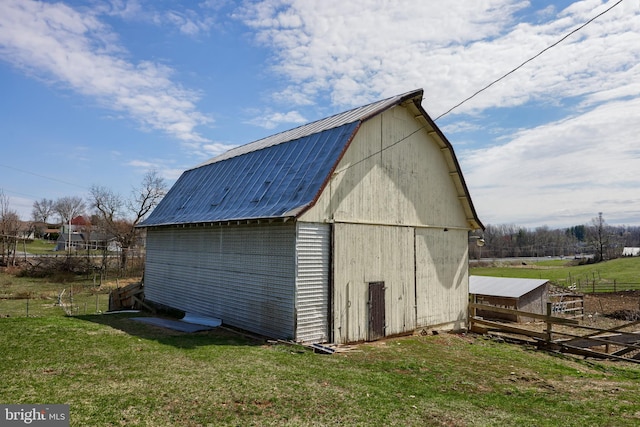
column 351, row 228
column 631, row 252
column 68, row 241
column 25, row 230
column 87, row 241
column 530, row 295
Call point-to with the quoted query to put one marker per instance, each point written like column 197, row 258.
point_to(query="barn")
column 350, row 228
column 530, row 295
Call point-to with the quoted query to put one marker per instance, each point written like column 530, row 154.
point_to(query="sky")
column 98, row 92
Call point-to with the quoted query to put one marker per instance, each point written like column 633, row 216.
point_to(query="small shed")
column 530, row 295
column 350, row 228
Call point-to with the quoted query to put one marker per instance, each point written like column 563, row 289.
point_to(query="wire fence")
column 71, row 301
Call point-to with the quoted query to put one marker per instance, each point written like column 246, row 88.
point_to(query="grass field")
column 21, row 296
column 621, row 270
column 39, row 247
column 114, row 371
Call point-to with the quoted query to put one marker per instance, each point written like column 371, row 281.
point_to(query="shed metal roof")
column 281, row 175
column 508, row 287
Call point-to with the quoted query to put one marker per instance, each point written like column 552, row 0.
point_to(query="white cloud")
column 354, row 52
column 74, row 48
column 550, row 174
column 358, row 51
column 160, row 165
column 270, row 120
column 217, row 148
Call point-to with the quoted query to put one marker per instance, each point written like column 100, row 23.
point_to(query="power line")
column 43, row 176
column 528, row 60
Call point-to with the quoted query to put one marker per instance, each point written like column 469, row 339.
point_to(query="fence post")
column 549, row 323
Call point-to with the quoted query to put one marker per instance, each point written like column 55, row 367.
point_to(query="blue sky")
column 100, row 91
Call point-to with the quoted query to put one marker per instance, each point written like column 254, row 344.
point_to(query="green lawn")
column 39, row 247
column 114, row 371
column 621, row 270
column 20, row 296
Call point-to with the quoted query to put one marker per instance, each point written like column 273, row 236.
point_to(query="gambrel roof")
column 281, row 176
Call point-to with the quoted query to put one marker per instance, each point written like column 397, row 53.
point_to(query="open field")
column 624, row 272
column 22, row 296
column 114, row 371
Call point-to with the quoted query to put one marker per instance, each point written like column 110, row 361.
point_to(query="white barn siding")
column 312, row 282
column 365, row 254
column 442, row 277
column 396, row 182
column 409, row 182
column 244, row 275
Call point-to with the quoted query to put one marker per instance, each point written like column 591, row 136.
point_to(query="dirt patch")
column 628, row 315
column 611, row 302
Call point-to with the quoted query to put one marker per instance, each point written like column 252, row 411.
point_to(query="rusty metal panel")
column 313, row 244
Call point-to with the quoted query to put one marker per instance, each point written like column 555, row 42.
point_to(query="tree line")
column 107, row 213
column 595, row 241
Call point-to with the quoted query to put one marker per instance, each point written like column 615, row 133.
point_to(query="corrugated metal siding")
column 244, row 275
column 268, row 183
column 312, row 282
column 442, row 277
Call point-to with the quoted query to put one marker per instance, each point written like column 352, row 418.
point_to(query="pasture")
column 113, row 371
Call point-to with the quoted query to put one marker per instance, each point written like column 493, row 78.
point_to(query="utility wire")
column 528, row 60
column 43, row 176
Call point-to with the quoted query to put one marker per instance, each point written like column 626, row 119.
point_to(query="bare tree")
column 69, row 207
column 119, row 216
column 42, row 210
column 599, row 235
column 9, row 229
column 40, row 213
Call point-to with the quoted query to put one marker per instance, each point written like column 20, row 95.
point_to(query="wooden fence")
column 564, row 334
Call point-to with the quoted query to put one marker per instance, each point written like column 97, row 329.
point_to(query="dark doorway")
column 376, row 311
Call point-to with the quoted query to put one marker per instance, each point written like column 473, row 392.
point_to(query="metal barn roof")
column 281, row 175
column 338, row 120
column 508, row 287
column 269, row 183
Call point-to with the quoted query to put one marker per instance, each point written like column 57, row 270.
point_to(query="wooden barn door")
column 376, row 311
